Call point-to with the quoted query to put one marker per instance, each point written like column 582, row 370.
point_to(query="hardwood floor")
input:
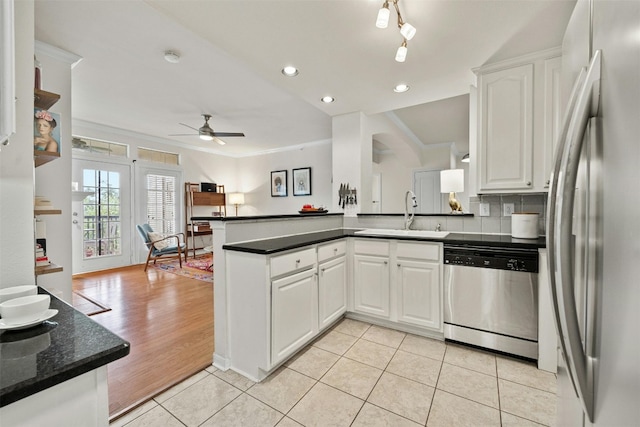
column 168, row 319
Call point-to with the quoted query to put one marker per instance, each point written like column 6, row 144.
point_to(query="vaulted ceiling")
column 232, row 53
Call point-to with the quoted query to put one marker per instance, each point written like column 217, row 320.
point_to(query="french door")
column 101, row 230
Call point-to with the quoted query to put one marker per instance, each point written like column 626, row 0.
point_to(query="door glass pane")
column 161, row 203
column 102, row 223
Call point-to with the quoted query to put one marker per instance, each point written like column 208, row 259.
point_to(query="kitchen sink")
column 408, row 233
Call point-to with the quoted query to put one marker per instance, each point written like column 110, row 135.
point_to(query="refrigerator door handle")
column 553, row 189
column 579, row 364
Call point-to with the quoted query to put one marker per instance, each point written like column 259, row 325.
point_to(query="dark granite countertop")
column 63, row 347
column 279, row 244
column 259, row 217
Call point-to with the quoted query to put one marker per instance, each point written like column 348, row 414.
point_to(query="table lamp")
column 236, row 199
column 452, row 180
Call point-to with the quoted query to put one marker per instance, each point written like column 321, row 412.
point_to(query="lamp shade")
column 408, row 31
column 383, row 17
column 452, row 180
column 401, row 53
column 236, row 199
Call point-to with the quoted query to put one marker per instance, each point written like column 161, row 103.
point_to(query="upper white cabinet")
column 552, row 112
column 518, row 109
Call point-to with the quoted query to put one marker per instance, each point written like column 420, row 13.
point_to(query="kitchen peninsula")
column 56, row 373
column 281, row 280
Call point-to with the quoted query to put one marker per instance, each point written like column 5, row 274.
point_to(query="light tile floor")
column 359, row 374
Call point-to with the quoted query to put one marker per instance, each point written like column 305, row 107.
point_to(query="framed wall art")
column 302, row 182
column 46, row 131
column 279, row 183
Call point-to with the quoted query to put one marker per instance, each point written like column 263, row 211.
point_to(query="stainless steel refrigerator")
column 593, row 232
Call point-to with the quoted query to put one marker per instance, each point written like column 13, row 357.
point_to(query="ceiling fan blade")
column 228, row 134
column 190, row 127
column 219, row 141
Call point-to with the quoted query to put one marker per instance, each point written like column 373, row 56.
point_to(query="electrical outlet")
column 507, row 209
column 485, row 209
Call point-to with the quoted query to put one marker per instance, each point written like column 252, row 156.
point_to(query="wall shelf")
column 48, row 269
column 47, row 211
column 43, row 99
column 78, row 196
column 42, row 157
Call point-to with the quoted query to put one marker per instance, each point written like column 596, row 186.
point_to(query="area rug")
column 199, row 268
column 86, row 305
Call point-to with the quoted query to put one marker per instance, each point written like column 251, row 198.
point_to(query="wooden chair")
column 170, row 245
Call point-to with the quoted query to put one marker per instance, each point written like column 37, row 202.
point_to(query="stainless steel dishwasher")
column 491, row 298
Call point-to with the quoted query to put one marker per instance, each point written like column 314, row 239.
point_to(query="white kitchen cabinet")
column 418, row 278
column 553, row 111
column 518, row 116
column 400, row 282
column 371, row 285
column 506, row 123
column 294, row 313
column 332, row 290
column 371, row 282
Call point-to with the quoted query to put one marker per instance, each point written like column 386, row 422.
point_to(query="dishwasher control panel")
column 496, row 258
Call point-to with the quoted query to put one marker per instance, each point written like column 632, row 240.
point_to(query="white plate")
column 45, row 316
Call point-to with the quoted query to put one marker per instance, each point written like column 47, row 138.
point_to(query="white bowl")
column 17, row 291
column 24, row 309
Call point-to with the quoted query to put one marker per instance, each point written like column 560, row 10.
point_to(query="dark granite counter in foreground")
column 61, row 348
column 280, row 244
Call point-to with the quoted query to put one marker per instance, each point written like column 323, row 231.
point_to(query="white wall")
column 16, row 165
column 254, row 179
column 250, row 175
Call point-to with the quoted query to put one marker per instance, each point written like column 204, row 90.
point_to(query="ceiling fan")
column 206, row 133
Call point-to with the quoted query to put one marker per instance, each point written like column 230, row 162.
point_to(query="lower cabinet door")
column 332, row 290
column 419, row 293
column 371, row 285
column 294, row 313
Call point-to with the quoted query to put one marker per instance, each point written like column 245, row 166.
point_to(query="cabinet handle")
column 528, row 183
column 335, row 250
column 297, row 261
column 75, row 221
column 399, row 265
column 548, row 181
column 386, row 262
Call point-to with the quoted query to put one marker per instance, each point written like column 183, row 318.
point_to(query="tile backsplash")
column 495, row 223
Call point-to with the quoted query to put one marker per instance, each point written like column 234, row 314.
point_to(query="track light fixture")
column 406, row 30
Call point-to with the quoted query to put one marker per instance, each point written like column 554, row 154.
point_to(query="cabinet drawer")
column 293, row 261
column 332, row 250
column 371, row 247
column 427, row 251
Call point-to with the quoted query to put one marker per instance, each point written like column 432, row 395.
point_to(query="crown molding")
column 56, row 53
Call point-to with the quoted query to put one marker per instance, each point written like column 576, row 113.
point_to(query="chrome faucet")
column 408, row 216
column 438, row 227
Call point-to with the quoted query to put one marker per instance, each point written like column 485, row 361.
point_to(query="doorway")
column 426, row 185
column 101, row 229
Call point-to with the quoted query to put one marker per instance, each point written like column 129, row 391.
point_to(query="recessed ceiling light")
column 290, row 71
column 172, row 57
column 402, row 87
column 327, row 99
